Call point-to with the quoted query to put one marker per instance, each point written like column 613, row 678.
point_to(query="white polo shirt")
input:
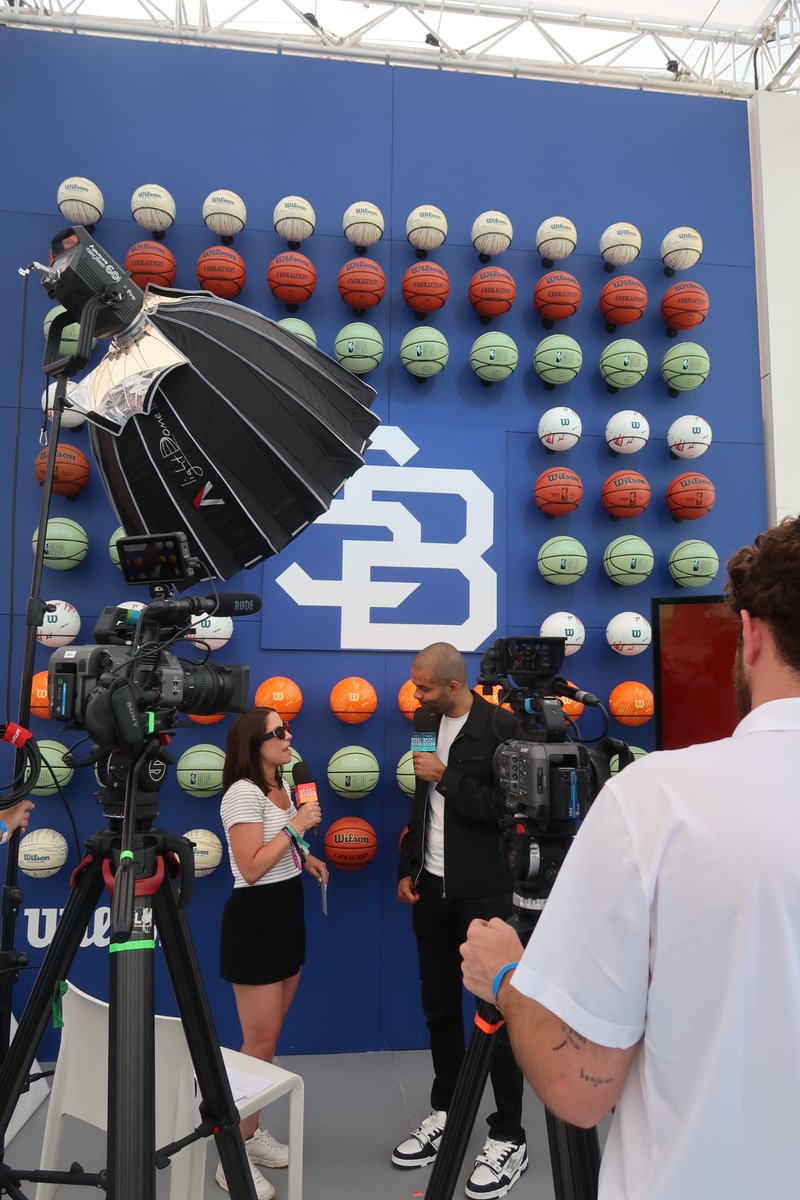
column 677, row 916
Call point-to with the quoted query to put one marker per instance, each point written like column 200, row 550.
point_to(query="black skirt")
column 263, row 934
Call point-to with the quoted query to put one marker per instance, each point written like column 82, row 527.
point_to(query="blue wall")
column 193, row 120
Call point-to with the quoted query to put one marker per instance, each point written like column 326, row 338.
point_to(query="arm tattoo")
column 572, row 1039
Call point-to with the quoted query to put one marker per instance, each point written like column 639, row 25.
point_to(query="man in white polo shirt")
column 663, row 977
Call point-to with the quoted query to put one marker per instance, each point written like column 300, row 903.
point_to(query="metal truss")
column 500, row 37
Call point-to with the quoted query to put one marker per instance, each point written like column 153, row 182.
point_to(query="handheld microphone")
column 305, row 790
column 424, row 739
column 227, row 604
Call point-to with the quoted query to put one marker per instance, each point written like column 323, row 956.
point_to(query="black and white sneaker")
column 420, row 1147
column 497, row 1168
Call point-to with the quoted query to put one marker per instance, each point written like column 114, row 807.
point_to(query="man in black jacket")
column 454, row 869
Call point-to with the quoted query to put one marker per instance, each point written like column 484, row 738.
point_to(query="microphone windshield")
column 423, row 720
column 301, row 773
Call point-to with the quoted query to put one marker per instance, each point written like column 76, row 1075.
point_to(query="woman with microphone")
column 262, row 940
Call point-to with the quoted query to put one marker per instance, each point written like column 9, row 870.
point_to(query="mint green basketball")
column 288, row 770
column 406, row 779
column 199, row 769
column 562, row 560
column 693, row 563
column 52, row 765
column 623, row 363
column 685, row 366
column 636, row 751
column 119, row 532
column 424, row 352
column 557, row 359
column 65, row 544
column 353, row 772
column 69, row 334
column 493, row 356
column 628, row 560
column 359, row 347
column 300, row 329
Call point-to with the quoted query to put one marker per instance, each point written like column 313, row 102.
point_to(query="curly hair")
column 764, row 579
column 243, row 749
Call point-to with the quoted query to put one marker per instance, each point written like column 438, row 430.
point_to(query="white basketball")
column 136, row 605
column 225, row 213
column 567, row 626
column 492, row 233
column 215, row 632
column 689, row 436
column 628, row 633
column 426, row 227
column 80, row 200
column 119, row 532
column 627, row 431
column 362, row 224
column 61, row 627
column 681, row 248
column 294, row 219
column 560, row 429
column 556, row 238
column 153, row 207
column 620, row 243
column 207, row 850
column 42, row 852
column 71, row 418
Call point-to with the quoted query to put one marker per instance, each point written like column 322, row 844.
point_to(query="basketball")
column 282, row 694
column 71, row 470
column 558, row 490
column 681, row 248
column 562, row 560
column 493, row 696
column 207, row 718
column 406, row 701
column 40, row 696
column 211, row 630
column 571, row 708
column 80, row 200
column 567, row 626
column 406, row 779
column 613, row 762
column 689, row 437
column 693, row 564
column 557, row 359
column 684, row 367
column 113, row 552
column 557, row 296
column 362, row 283
column 627, row 431
column 300, row 329
column 358, row 347
column 690, row 496
column 426, row 228
column 71, row 418
column 353, row 771
column 424, row 352
column 492, row 233
column 225, row 213
column 207, row 850
column 492, row 291
column 559, row 429
column 68, row 343
column 151, row 262
column 353, row 700
column 628, row 633
column 620, row 244
column 628, row 560
column 294, row 219
column 65, row 544
column 291, row 278
column 350, row 843
column 362, row 224
column 288, row 770
column 556, row 238
column 54, row 772
column 631, row 703
column 623, row 300
column 623, row 364
column 425, row 287
column 153, row 208
column 625, row 494
column 61, row 627
column 42, row 853
column 221, row 271
column 493, row 356
column 684, row 305
column 199, row 770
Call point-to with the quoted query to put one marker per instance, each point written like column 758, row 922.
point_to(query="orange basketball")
column 353, row 700
column 623, row 300
column 425, row 287
column 206, row 720
column 403, row 833
column 362, row 283
column 291, row 277
column 221, row 271
column 690, row 496
column 492, row 291
column 406, row 701
column 571, row 708
column 282, row 694
column 625, row 494
column 558, row 490
column 40, row 700
column 493, row 696
column 350, row 843
column 685, row 305
column 631, row 703
column 557, row 296
column 151, row 262
column 71, row 470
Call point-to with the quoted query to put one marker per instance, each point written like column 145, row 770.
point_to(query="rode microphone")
column 424, row 739
column 562, row 688
column 227, row 604
column 305, row 790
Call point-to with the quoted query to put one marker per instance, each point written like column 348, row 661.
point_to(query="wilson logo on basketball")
column 360, row 839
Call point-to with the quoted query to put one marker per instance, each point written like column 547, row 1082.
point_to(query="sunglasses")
column 279, row 732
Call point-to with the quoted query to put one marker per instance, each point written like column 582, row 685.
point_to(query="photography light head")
column 82, row 271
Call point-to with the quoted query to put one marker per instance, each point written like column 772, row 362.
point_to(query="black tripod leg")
column 575, row 1159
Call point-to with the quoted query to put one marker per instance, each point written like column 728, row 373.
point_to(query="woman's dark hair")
column 243, row 750
column 764, row 579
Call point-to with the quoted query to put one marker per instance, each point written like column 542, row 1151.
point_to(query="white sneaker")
column 266, row 1150
column 421, row 1146
column 264, row 1189
column 497, row 1168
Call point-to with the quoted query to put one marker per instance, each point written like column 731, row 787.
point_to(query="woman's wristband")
column 297, row 838
column 499, row 977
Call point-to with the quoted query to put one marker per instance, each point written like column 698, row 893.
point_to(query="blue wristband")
column 499, row 977
column 4, row 834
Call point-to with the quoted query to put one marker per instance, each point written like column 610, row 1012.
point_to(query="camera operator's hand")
column 308, row 816
column 428, row 766
column 17, row 816
column 406, row 892
column 490, row 945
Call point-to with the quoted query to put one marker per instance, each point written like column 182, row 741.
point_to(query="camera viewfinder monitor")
column 694, row 645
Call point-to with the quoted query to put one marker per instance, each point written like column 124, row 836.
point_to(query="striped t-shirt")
column 244, row 803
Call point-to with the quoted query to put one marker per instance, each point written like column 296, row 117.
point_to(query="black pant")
column 440, row 926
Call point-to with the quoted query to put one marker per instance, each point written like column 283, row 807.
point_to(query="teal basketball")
column 353, row 771
column 359, row 347
column 562, row 560
column 54, row 772
column 685, row 366
column 406, row 779
column 69, row 334
column 65, row 544
column 424, row 352
column 623, row 363
column 199, row 770
column 636, row 751
column 119, row 532
column 628, row 560
column 493, row 356
column 300, row 329
column 557, row 359
column 693, row 563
